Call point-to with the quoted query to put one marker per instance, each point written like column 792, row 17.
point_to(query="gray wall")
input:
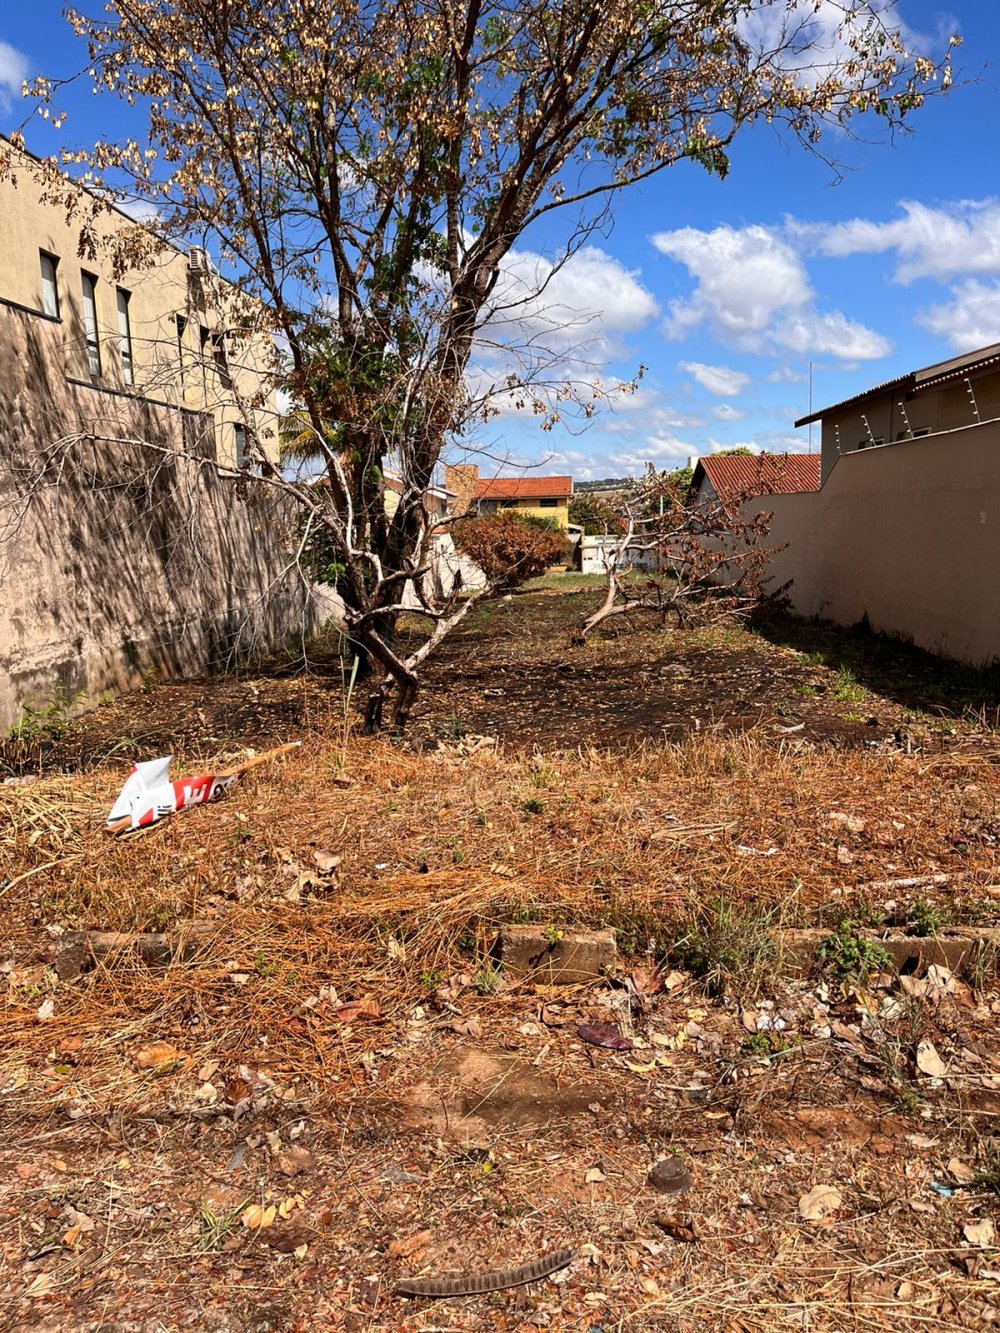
column 124, row 560
column 907, row 535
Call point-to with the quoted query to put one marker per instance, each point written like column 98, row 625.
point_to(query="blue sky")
column 727, row 290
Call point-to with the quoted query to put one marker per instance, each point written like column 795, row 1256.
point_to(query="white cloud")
column 592, row 299
column 726, row 412
column 811, row 39
column 830, row 334
column 13, row 72
column 969, row 318
column 745, row 277
column 753, row 289
column 786, row 376
column 960, row 238
column 665, row 450
column 716, row 379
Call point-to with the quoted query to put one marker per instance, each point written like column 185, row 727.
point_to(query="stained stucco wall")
column 200, row 364
column 126, row 558
column 907, row 535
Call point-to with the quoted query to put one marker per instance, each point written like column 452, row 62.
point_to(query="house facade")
column 904, row 533
column 123, row 548
column 536, row 496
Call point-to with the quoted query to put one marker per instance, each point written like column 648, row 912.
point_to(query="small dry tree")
column 683, row 556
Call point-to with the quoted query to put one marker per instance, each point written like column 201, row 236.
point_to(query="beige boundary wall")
column 136, row 560
column 908, row 535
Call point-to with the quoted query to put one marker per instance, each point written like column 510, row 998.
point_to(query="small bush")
column 847, row 954
column 510, row 548
column 927, row 918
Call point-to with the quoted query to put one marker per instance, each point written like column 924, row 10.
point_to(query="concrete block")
column 557, row 955
column 79, row 950
column 955, row 947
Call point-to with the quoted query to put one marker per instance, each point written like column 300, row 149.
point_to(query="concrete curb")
column 956, row 947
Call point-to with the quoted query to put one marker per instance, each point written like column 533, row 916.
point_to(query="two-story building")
column 123, row 547
column 949, row 395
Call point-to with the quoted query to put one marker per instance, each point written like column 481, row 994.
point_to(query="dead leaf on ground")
column 368, row 1008
column 929, row 1061
column 677, row 1228
column 604, row 1034
column 159, row 1056
column 405, row 1246
column 981, row 1233
column 594, row 1176
column 820, row 1202
column 961, row 1171
column 466, row 1027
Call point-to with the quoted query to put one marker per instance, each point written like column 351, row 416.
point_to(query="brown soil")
column 342, row 1051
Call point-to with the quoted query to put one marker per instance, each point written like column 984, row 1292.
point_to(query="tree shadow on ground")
column 910, row 676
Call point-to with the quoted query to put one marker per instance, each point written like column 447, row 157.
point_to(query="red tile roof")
column 772, row 474
column 524, row 488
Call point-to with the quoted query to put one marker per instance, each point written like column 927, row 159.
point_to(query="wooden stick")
column 120, row 825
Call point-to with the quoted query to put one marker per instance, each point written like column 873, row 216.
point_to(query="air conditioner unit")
column 198, row 260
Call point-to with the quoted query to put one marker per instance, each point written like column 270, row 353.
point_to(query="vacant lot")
column 340, row 1046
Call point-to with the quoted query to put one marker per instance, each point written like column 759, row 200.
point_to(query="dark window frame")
column 92, row 343
column 54, row 260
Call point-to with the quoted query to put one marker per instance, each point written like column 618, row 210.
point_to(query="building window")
column 90, row 331
column 508, row 504
column 243, row 444
column 181, row 324
column 548, row 504
column 125, row 335
column 220, row 359
column 50, row 284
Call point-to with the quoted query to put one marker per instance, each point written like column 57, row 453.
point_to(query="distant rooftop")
column 524, row 488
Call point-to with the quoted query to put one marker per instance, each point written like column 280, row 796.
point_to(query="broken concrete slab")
column 78, row 951
column 557, row 955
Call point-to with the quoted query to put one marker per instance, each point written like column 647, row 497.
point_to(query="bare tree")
column 364, row 169
column 682, row 556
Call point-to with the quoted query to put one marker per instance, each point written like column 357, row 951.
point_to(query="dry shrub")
column 510, row 548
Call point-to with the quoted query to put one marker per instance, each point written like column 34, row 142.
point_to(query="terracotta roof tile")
column 774, row 474
column 524, row 488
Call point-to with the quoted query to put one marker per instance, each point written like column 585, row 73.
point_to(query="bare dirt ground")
column 340, row 1088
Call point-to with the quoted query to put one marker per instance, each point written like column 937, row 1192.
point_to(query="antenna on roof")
column 906, row 419
column 810, row 406
column 972, row 400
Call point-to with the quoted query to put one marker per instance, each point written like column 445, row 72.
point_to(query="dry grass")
column 438, row 850
column 439, row 847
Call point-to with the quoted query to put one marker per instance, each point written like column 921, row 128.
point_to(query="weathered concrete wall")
column 907, row 535
column 124, row 559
